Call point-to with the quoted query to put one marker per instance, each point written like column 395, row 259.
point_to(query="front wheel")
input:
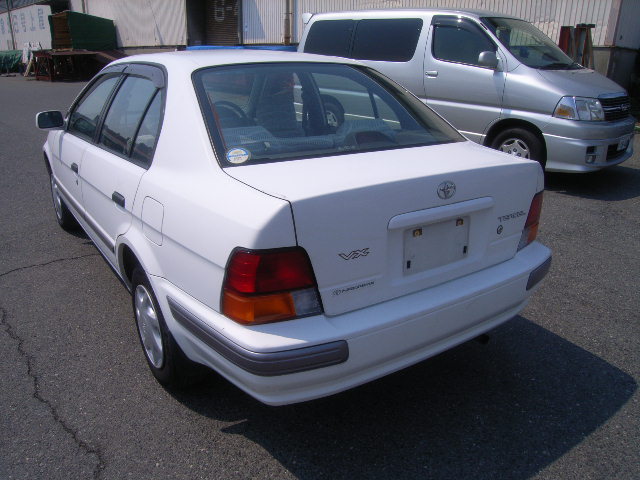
column 520, row 143
column 165, row 358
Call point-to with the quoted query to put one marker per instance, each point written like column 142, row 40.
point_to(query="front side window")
column 124, row 116
column 389, row 40
column 83, row 120
column 528, row 44
column 459, row 41
column 282, row 112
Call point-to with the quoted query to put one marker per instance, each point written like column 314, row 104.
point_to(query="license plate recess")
column 435, row 244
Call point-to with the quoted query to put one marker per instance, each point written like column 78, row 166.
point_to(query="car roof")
column 399, row 12
column 191, row 60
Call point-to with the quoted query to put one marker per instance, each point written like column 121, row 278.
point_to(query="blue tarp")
column 280, row 48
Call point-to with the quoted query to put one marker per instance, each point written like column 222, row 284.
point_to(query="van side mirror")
column 488, row 59
column 49, row 120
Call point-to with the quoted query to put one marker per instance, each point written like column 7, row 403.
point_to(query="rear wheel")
column 165, row 358
column 521, row 143
column 64, row 217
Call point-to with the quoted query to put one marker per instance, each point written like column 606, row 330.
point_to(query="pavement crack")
column 29, row 360
column 57, row 260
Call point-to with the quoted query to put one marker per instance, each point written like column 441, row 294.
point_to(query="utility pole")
column 288, row 22
column 13, row 38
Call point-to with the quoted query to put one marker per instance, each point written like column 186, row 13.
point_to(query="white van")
column 496, row 78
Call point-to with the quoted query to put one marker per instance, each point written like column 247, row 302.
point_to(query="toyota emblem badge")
column 446, row 190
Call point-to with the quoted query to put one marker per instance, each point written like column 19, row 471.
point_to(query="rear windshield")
column 274, row 112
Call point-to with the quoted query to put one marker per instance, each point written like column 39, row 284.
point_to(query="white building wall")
column 30, row 24
column 142, row 23
column 5, row 33
column 75, row 6
column 264, row 19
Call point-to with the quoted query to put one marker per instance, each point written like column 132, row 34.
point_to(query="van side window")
column 459, row 41
column 390, row 40
column 330, row 37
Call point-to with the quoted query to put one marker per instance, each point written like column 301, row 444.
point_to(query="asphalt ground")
column 553, row 395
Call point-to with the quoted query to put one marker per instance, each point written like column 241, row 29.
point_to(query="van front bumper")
column 307, row 358
column 576, row 146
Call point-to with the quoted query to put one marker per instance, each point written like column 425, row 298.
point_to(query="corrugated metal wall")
column 264, row 19
column 144, row 23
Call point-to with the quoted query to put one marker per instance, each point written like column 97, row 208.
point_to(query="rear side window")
column 330, row 37
column 125, row 113
column 148, row 132
column 391, row 40
column 459, row 41
column 84, row 119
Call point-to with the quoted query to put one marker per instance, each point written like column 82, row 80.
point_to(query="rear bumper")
column 312, row 357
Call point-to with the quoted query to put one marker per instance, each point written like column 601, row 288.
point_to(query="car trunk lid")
column 383, row 224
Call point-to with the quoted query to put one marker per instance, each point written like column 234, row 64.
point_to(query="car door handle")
column 431, row 73
column 74, row 167
column 118, row 199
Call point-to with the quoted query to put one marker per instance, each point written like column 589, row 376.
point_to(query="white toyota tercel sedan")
column 297, row 250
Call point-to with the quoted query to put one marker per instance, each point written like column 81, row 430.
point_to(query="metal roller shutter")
column 222, row 22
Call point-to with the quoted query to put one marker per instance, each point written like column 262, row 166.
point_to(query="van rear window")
column 389, row 40
column 330, row 37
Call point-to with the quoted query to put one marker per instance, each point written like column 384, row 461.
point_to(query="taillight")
column 263, row 286
column 530, row 230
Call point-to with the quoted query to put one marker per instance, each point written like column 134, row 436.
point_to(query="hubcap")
column 332, row 119
column 55, row 194
column 148, row 326
column 515, row 147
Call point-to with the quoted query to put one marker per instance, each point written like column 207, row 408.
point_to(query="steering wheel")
column 231, row 115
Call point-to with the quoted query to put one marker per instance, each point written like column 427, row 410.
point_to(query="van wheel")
column 333, row 111
column 165, row 358
column 64, row 217
column 521, row 143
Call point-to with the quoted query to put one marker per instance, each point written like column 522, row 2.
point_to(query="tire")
column 521, row 143
column 64, row 217
column 166, row 360
column 333, row 111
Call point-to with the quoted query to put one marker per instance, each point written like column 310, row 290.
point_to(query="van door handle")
column 118, row 199
column 74, row 167
column 431, row 73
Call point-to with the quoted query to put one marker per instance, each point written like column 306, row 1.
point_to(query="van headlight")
column 579, row 108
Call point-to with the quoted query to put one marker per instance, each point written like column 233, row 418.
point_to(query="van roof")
column 402, row 12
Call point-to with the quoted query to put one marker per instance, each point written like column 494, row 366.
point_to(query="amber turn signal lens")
column 255, row 310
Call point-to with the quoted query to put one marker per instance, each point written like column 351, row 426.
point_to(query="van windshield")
column 269, row 112
column 529, row 45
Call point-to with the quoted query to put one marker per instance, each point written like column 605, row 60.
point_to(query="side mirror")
column 488, row 59
column 49, row 120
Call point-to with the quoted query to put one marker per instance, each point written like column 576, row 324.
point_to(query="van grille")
column 615, row 108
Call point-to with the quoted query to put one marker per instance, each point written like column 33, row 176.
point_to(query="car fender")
column 143, row 249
